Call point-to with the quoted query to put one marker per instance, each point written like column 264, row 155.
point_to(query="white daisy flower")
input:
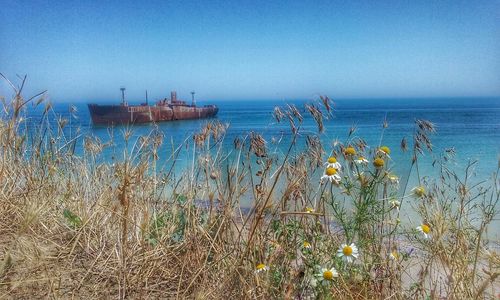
column 327, row 275
column 261, row 268
column 306, row 245
column 333, row 163
column 418, row 191
column 378, row 163
column 385, row 151
column 348, row 252
column 395, row 204
column 309, row 210
column 425, row 229
column 361, row 161
column 394, row 255
column 331, row 175
column 350, row 151
column 393, row 179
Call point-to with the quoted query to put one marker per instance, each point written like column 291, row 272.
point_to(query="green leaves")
column 73, row 220
column 173, row 218
column 156, row 227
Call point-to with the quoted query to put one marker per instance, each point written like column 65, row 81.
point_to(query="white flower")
column 348, row 252
column 306, row 245
column 394, row 255
column 309, row 210
column 350, row 151
column 393, row 179
column 385, row 151
column 333, row 163
column 261, row 268
column 361, row 161
column 395, row 204
column 418, row 191
column 425, row 229
column 331, row 175
column 327, row 275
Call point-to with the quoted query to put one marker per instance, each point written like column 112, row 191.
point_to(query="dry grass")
column 71, row 226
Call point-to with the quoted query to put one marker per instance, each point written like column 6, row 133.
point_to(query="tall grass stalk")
column 138, row 226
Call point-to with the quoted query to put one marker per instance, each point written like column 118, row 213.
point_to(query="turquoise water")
column 470, row 126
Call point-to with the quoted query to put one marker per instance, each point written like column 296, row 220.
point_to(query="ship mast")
column 146, row 97
column 192, row 98
column 123, row 94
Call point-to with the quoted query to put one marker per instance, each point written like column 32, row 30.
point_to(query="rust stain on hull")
column 163, row 110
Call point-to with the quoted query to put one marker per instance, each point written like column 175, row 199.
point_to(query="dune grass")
column 324, row 222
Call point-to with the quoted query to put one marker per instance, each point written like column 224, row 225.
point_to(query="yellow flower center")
column 426, row 228
column 328, row 275
column 378, row 163
column 309, row 209
column 361, row 158
column 261, row 266
column 306, row 245
column 420, row 191
column 332, row 160
column 347, row 250
column 395, row 254
column 385, row 149
column 330, row 171
column 350, row 151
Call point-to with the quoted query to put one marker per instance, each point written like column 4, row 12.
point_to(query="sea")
column 468, row 128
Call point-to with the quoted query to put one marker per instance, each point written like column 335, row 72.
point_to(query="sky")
column 230, row 50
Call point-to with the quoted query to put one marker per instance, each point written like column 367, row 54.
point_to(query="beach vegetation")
column 322, row 223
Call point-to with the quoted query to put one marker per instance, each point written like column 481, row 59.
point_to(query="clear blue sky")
column 85, row 50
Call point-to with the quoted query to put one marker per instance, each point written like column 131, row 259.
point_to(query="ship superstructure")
column 163, row 110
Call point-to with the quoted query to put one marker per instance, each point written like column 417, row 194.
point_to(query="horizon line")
column 391, row 98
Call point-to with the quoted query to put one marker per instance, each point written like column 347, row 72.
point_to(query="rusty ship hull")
column 164, row 110
column 118, row 114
